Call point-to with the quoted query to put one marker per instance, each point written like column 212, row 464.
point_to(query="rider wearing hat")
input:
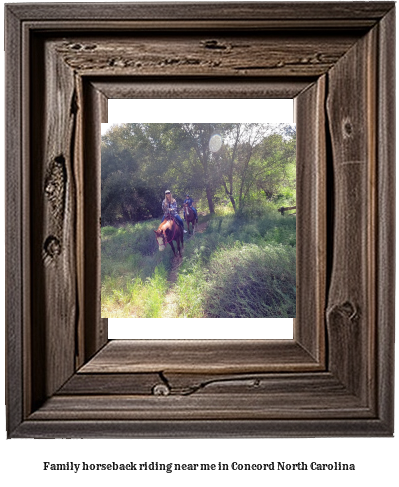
column 169, row 207
column 189, row 201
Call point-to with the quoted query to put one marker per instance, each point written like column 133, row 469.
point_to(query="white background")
column 376, row 459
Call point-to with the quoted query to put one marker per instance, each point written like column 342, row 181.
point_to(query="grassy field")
column 237, row 267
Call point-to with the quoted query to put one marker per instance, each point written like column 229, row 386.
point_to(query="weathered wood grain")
column 329, row 404
column 77, row 145
column 256, row 388
column 104, row 107
column 340, row 26
column 282, row 11
column 311, row 219
column 385, row 272
column 95, row 329
column 268, row 383
column 185, row 383
column 133, row 384
column 15, row 261
column 243, row 55
column 351, row 307
column 200, row 356
column 202, row 429
column 175, row 87
column 53, row 220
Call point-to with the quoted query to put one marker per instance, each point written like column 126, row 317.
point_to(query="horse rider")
column 189, row 201
column 169, row 207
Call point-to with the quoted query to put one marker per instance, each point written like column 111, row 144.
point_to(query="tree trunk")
column 230, row 195
column 210, row 200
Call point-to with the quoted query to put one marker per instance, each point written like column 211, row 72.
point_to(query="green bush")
column 251, row 281
column 238, row 267
column 107, row 231
column 133, row 271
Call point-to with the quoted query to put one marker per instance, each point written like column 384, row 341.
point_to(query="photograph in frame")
column 268, row 185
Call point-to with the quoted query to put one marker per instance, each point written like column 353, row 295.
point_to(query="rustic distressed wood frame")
column 64, row 379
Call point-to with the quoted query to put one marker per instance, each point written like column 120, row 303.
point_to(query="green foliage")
column 134, row 160
column 108, row 231
column 133, row 271
column 132, row 249
column 244, row 263
column 251, row 281
column 123, row 297
column 139, row 161
column 155, row 288
column 224, row 210
column 240, row 268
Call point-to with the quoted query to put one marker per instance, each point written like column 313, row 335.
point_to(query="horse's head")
column 160, row 236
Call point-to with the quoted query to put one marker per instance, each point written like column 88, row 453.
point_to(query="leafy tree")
column 256, row 157
column 198, row 136
column 140, row 161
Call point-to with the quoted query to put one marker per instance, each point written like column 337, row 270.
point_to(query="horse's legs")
column 178, row 241
column 173, row 247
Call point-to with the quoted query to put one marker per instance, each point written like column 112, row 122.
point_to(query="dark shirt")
column 189, row 201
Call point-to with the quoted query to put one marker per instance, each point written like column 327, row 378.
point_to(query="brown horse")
column 189, row 216
column 168, row 231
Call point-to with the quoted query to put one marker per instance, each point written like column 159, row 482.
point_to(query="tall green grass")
column 248, row 280
column 133, row 271
column 238, row 267
column 123, row 297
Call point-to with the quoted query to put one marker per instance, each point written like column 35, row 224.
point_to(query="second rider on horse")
column 169, row 207
column 189, row 201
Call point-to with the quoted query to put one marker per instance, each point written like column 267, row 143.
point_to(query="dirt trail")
column 200, row 228
column 170, row 307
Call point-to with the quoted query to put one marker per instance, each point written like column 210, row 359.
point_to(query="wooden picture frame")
column 64, row 378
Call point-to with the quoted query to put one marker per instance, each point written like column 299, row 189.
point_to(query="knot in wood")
column 346, row 310
column 161, row 390
column 213, row 44
column 90, row 47
column 347, row 128
column 50, row 188
column 52, row 246
column 54, row 189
